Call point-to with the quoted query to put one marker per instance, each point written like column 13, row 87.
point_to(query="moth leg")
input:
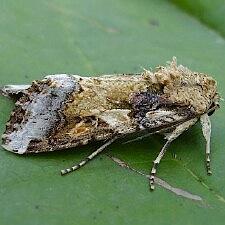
column 170, row 137
column 206, row 130
column 90, row 157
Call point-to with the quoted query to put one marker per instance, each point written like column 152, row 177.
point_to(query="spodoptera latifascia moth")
column 64, row 111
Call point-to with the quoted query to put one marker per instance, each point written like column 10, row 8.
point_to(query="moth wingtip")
column 3, row 92
column 10, row 149
column 7, row 147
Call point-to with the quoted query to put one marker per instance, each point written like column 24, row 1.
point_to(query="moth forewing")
column 63, row 111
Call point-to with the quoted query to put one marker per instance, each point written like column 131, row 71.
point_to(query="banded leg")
column 90, row 157
column 206, row 130
column 155, row 163
column 170, row 137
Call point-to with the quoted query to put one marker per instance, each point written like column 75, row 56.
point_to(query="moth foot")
column 208, row 167
column 65, row 171
column 152, row 177
column 152, row 186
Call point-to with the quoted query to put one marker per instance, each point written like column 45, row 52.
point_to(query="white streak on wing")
column 118, row 120
column 166, row 115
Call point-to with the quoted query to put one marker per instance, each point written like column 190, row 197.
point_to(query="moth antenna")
column 90, row 157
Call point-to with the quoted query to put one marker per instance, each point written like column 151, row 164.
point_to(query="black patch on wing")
column 153, row 111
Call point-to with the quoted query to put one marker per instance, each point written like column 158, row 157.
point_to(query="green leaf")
column 208, row 12
column 104, row 37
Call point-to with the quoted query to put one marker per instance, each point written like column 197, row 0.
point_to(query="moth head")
column 201, row 91
column 181, row 86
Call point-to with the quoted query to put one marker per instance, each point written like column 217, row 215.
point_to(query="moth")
column 64, row 111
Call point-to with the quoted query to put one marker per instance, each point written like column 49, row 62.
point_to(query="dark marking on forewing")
column 143, row 102
column 153, row 111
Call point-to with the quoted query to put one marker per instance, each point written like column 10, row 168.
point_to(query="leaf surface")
column 104, row 37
